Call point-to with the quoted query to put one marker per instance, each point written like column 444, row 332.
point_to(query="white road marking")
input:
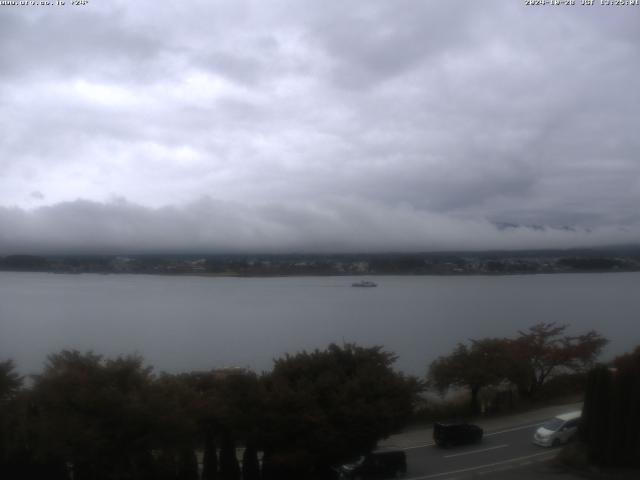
column 495, row 470
column 475, row 451
column 470, row 469
column 431, row 444
column 419, row 446
column 514, row 429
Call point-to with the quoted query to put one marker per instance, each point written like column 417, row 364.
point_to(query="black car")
column 450, row 434
column 377, row 464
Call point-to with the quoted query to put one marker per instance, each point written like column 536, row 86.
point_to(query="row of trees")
column 86, row 417
column 528, row 361
column 610, row 427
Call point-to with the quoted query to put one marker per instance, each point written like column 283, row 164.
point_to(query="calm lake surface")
column 188, row 323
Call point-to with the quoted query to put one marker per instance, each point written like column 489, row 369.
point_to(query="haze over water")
column 195, row 323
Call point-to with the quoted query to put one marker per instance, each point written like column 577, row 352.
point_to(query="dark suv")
column 450, row 434
column 377, row 464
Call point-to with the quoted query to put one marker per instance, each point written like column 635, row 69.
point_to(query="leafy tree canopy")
column 528, row 361
column 478, row 365
column 94, row 412
column 10, row 381
column 336, row 403
column 545, row 349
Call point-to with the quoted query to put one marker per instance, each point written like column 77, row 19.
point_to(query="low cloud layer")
column 381, row 125
column 209, row 226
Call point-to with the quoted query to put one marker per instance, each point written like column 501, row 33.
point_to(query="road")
column 506, row 446
column 499, row 450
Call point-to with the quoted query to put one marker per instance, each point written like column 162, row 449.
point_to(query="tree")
column 228, row 409
column 610, row 425
column 96, row 414
column 209, row 457
column 10, row 384
column 10, row 381
column 478, row 365
column 229, row 467
column 594, row 423
column 527, row 361
column 327, row 406
column 544, row 350
column 187, row 464
column 250, row 463
column 174, row 406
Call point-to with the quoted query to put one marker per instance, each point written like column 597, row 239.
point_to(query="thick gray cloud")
column 306, row 125
column 211, row 226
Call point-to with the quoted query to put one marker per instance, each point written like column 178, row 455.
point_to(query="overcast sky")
column 318, row 125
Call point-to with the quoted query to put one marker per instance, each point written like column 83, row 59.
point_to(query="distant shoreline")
column 289, row 275
column 360, row 265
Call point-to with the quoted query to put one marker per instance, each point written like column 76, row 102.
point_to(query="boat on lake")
column 364, row 283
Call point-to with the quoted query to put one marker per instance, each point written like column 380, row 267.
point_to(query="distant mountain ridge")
column 502, row 226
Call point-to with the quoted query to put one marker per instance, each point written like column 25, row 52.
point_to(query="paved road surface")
column 506, row 446
column 498, row 451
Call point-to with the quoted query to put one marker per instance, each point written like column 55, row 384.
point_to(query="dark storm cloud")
column 316, row 124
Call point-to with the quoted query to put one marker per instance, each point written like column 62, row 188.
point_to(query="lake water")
column 187, row 323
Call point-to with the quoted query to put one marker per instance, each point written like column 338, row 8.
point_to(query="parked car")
column 449, row 434
column 382, row 463
column 558, row 430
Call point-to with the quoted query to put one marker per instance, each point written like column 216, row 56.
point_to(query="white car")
column 558, row 430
